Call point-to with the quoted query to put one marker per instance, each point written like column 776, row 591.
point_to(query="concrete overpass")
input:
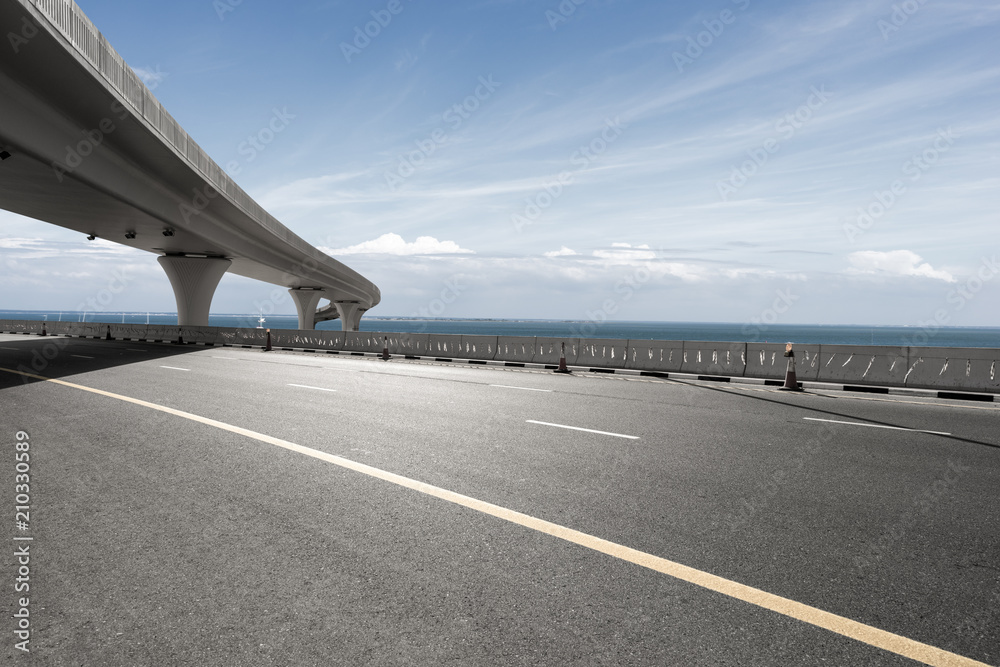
column 86, row 146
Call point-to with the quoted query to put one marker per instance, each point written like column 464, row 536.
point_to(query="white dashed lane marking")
column 586, row 430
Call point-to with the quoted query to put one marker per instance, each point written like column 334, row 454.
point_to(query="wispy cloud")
column 895, row 263
column 562, row 252
column 393, row 244
column 151, row 76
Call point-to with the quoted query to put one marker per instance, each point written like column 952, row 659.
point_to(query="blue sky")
column 733, row 161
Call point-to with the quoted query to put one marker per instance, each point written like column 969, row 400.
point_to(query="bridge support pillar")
column 305, row 304
column 350, row 314
column 194, row 280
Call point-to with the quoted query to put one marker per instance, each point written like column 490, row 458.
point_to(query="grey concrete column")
column 350, row 314
column 305, row 304
column 194, row 280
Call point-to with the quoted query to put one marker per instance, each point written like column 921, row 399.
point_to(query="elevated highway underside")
column 83, row 156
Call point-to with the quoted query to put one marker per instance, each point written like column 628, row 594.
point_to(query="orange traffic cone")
column 791, row 383
column 43, row 330
column 385, row 348
column 562, row 361
column 108, row 335
column 267, row 346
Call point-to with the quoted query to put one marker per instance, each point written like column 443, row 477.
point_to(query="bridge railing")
column 74, row 25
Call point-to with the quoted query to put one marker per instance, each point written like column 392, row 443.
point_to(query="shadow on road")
column 57, row 357
column 842, row 415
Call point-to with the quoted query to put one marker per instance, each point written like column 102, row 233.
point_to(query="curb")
column 763, row 382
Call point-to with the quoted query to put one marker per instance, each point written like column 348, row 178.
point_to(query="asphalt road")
column 192, row 529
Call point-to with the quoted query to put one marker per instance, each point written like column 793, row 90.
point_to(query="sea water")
column 702, row 331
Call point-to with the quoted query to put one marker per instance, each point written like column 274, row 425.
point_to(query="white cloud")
column 20, row 243
column 626, row 253
column 895, row 263
column 151, row 77
column 562, row 252
column 23, row 248
column 393, row 244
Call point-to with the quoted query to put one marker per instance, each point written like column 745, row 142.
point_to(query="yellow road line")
column 840, row 625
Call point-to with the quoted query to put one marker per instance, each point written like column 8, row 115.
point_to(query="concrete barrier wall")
column 603, row 352
column 130, row 331
column 23, row 326
column 312, row 340
column 548, row 350
column 155, row 332
column 239, row 337
column 412, row 344
column 478, row 347
column 655, row 355
column 959, row 369
column 519, row 349
column 707, row 358
column 443, row 345
column 363, row 341
column 196, row 335
column 768, row 361
column 863, row 364
column 951, row 368
column 170, row 334
column 93, row 329
column 326, row 339
column 58, row 328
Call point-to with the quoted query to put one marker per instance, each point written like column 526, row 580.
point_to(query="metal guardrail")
column 74, row 25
